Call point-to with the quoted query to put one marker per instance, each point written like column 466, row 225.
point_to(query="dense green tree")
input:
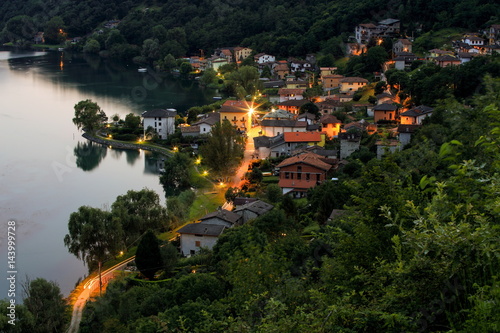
column 310, row 107
column 19, row 28
column 54, row 31
column 186, row 68
column 208, row 77
column 88, row 116
column 94, row 236
column 132, row 122
column 45, row 301
column 176, row 174
column 138, row 211
column 274, row 193
column 92, row 46
column 245, row 81
column 224, row 149
column 19, row 315
column 114, row 38
column 169, row 62
column 148, row 256
column 151, row 49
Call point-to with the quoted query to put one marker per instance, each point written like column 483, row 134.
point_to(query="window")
column 204, row 129
column 225, row 117
column 299, row 176
column 159, row 124
column 308, row 176
column 192, row 252
column 159, row 118
column 287, row 175
column 318, row 177
column 197, row 243
column 155, row 123
column 234, row 118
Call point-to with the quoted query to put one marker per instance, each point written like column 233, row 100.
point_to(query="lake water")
column 47, row 170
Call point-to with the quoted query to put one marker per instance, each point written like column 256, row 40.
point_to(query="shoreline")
column 125, row 145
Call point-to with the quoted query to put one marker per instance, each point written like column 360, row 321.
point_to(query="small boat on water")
column 142, row 70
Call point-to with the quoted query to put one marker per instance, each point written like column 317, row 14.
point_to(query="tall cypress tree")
column 148, row 256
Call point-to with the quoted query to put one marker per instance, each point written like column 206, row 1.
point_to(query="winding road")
column 89, row 287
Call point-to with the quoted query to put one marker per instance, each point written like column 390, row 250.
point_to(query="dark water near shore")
column 47, row 170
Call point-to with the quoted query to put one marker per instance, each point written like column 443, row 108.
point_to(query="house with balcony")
column 299, row 173
column 290, row 94
column 262, row 58
column 237, row 112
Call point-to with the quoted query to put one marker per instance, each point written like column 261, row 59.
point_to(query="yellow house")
column 328, row 71
column 352, row 84
column 331, row 81
column 238, row 113
column 241, row 53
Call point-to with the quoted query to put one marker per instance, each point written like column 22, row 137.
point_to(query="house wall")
column 276, row 130
column 238, row 119
column 404, row 138
column 408, row 120
column 288, row 97
column 347, row 148
column 293, row 172
column 163, row 126
column 384, row 115
column 205, row 128
column 351, row 86
column 189, row 243
column 331, row 130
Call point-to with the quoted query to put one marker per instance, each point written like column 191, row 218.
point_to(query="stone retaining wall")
column 124, row 145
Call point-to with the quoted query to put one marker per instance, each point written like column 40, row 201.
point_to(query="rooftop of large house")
column 293, row 102
column 329, row 119
column 204, row 229
column 258, row 207
column 353, row 79
column 159, row 113
column 209, row 118
column 278, row 114
column 385, row 107
column 222, row 214
column 417, row 111
column 294, row 91
column 282, row 123
column 235, row 106
column 302, row 136
column 307, row 158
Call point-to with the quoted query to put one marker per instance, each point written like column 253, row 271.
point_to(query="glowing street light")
column 175, row 148
column 205, row 173
column 198, row 161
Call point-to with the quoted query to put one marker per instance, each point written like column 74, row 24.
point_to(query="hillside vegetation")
column 277, row 27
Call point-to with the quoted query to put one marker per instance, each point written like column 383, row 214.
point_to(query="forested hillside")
column 274, row 26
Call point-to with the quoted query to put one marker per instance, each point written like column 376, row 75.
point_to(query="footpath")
column 126, row 145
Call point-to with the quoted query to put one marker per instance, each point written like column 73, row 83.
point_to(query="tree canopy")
column 88, row 116
column 223, row 150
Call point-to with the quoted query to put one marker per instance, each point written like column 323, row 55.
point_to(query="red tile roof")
column 235, row 106
column 302, row 136
column 354, row 79
column 307, row 158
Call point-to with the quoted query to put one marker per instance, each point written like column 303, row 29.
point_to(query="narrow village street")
column 238, row 179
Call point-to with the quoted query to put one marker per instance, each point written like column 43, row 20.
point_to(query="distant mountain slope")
column 274, row 26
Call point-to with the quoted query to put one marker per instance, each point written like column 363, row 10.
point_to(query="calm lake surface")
column 47, row 170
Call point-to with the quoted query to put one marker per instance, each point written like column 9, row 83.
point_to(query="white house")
column 253, row 210
column 197, row 235
column 162, row 121
column 262, row 58
column 222, row 217
column 207, row 121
